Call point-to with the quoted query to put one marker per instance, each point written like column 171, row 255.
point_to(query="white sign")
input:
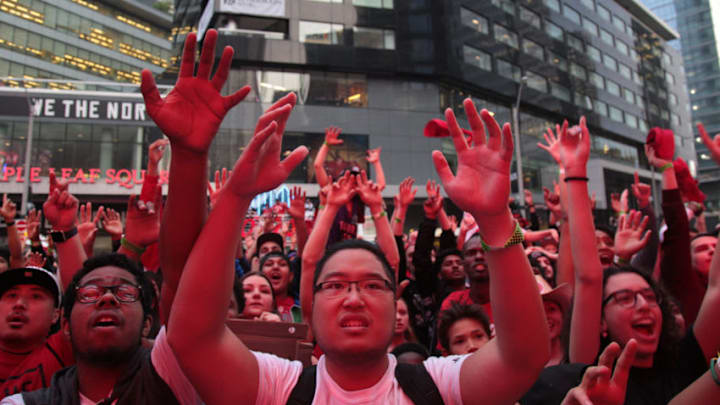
column 272, row 8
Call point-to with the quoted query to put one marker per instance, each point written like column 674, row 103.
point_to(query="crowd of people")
column 494, row 311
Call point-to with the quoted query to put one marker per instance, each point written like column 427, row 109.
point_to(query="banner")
column 271, row 8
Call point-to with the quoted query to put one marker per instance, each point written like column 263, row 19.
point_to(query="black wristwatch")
column 62, row 236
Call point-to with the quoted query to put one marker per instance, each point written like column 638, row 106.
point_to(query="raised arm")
column 585, row 325
column 373, row 156
column 371, row 195
column 196, row 331
column 189, row 116
column 405, row 196
column 8, row 212
column 156, row 150
column 297, row 213
column 645, row 259
column 142, row 227
column 61, row 212
column 502, row 370
column 331, row 139
column 338, row 194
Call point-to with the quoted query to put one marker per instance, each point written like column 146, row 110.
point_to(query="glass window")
column 609, row 62
column 614, row 150
column 571, row 14
column 622, row 47
column 665, row 114
column 473, row 20
column 578, row 71
column 673, row 99
column 575, row 43
column 631, row 120
column 675, row 119
column 612, row 87
column 603, row 12
column 533, row 48
column 320, row 33
column 662, row 94
column 634, row 55
column 588, row 3
column 637, row 78
column 597, row 80
column 553, row 30
column 530, row 17
column 669, row 78
column 590, row 26
column 557, row 61
column 643, row 126
column 629, row 96
column 600, row 107
column 508, row 70
column 374, row 3
column 667, row 59
column 377, row 38
column 537, row 82
column 581, row 100
column 625, row 71
column 561, row 92
column 620, row 24
column 506, row 36
column 553, row 5
column 594, row 53
column 507, row 5
column 477, row 57
column 616, row 114
column 606, row 36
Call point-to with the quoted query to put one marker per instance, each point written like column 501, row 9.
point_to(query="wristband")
column 398, row 220
column 713, row 370
column 11, row 223
column 577, row 178
column 379, row 215
column 131, row 246
column 62, row 236
column 516, row 238
column 666, row 166
column 320, row 207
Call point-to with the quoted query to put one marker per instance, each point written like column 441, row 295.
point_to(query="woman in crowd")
column 403, row 329
column 259, row 298
column 276, row 266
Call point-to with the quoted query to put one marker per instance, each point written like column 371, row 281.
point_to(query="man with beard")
column 477, row 272
column 107, row 310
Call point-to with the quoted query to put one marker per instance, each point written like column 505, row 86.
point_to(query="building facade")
column 380, row 69
column 698, row 22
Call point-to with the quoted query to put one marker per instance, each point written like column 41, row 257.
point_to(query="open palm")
column 191, row 114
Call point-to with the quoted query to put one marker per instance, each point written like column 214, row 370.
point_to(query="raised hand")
column 219, row 183
column 574, row 149
column 373, row 155
column 369, row 192
column 406, row 192
column 57, row 184
column 631, row 236
column 713, row 144
column 593, row 200
column 598, row 387
column 641, row 191
column 297, row 203
column 61, row 210
column 142, row 227
column 553, row 203
column 553, row 142
column 156, row 152
column 35, row 259
column 33, row 225
column 528, row 198
column 191, row 114
column 111, row 222
column 482, row 183
column 340, row 192
column 8, row 209
column 259, row 168
column 619, row 202
column 331, row 136
column 653, row 159
column 87, row 227
column 432, row 189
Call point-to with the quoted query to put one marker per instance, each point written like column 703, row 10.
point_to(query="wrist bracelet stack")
column 517, row 237
column 666, row 166
column 139, row 250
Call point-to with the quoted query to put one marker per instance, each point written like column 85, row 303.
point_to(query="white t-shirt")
column 167, row 367
column 279, row 376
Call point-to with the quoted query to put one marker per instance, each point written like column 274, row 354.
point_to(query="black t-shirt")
column 653, row 386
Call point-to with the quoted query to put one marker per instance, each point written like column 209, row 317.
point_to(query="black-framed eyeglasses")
column 91, row 293
column 628, row 298
column 371, row 286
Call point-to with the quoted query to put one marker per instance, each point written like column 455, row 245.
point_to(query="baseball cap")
column 30, row 275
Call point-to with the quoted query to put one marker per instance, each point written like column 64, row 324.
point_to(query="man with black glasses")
column 107, row 310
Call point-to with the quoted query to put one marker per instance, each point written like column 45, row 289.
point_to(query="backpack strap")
column 417, row 384
column 304, row 391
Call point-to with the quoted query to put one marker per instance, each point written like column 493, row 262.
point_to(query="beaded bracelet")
column 514, row 239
